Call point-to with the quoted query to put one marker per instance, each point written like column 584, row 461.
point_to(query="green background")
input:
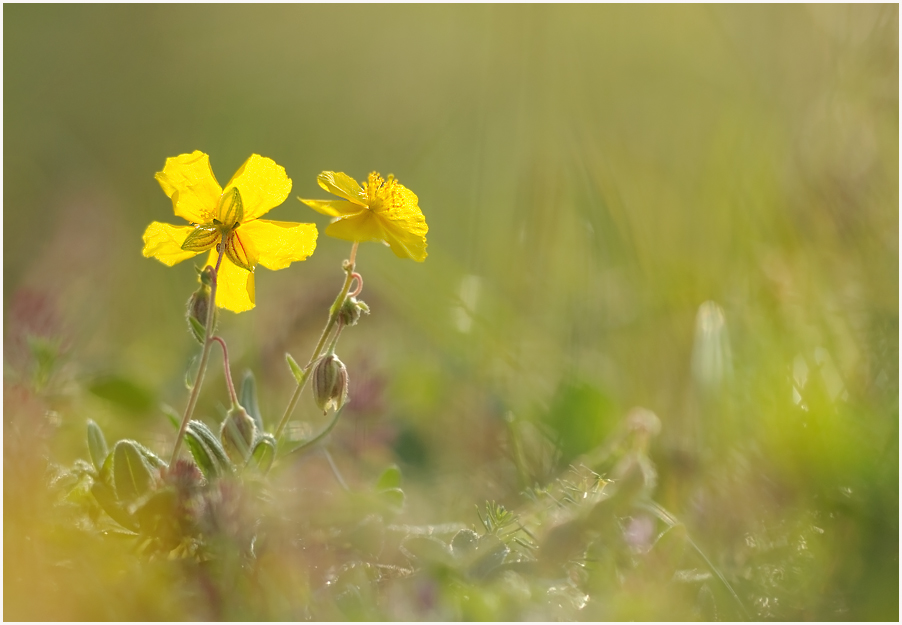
column 590, row 175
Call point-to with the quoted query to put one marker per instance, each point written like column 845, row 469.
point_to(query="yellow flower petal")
column 402, row 210
column 280, row 243
column 404, row 242
column 164, row 242
column 368, row 226
column 342, row 185
column 263, row 185
column 234, row 285
column 189, row 181
column 361, row 227
column 333, row 208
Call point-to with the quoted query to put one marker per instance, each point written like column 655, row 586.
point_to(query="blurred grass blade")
column 171, row 415
column 248, row 399
column 123, row 392
column 665, row 516
column 316, row 439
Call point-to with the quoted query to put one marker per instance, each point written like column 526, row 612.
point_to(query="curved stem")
column 205, row 354
column 359, row 287
column 316, row 439
column 334, row 467
column 228, row 370
column 317, row 352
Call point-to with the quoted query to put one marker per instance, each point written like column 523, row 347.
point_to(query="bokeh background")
column 692, row 209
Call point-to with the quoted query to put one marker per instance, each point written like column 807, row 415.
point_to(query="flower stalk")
column 334, row 313
column 205, row 354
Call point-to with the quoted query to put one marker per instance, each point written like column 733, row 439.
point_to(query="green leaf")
column 106, row 470
column 248, row 398
column 215, row 451
column 106, row 497
column 390, row 478
column 152, row 459
column 132, row 474
column 97, row 446
column 197, row 329
column 394, row 497
column 210, row 439
column 296, row 370
column 203, row 457
column 598, row 416
column 156, row 515
column 264, row 453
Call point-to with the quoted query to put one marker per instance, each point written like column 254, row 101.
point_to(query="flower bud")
column 330, row 383
column 237, row 435
column 351, row 310
column 206, row 275
column 197, row 308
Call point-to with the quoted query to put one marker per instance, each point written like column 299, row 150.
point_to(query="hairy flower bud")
column 197, row 309
column 237, row 435
column 206, row 275
column 330, row 383
column 351, row 310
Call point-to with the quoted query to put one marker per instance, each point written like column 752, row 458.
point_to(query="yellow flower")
column 230, row 216
column 383, row 210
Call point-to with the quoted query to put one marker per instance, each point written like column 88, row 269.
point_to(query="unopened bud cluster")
column 330, row 383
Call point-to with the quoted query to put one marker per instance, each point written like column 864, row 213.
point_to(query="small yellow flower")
column 230, row 216
column 383, row 210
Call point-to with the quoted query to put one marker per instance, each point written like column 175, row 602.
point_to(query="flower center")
column 380, row 193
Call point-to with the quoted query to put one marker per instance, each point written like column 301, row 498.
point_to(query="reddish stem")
column 228, row 370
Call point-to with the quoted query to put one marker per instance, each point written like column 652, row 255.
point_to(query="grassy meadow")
column 648, row 371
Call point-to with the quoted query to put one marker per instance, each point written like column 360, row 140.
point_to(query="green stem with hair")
column 334, row 311
column 205, row 354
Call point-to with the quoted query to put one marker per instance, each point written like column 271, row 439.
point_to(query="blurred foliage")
column 693, row 209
